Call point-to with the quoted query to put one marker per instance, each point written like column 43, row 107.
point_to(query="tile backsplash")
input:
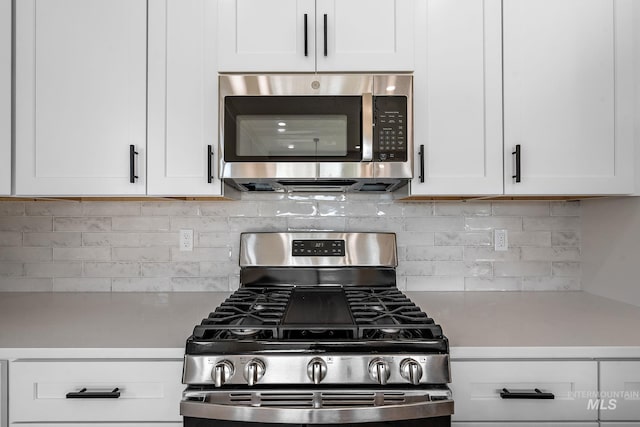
column 133, row 246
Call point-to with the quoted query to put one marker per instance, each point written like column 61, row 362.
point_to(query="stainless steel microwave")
column 316, row 132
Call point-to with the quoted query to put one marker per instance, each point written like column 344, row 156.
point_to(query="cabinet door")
column 457, row 98
column 183, row 98
column 5, row 97
column 4, row 397
column 365, row 35
column 516, row 424
column 80, row 96
column 568, row 99
column 620, row 390
column 266, row 35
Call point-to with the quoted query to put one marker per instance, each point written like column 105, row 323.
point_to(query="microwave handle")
column 367, row 127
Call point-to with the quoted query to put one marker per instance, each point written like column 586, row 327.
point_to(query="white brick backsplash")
column 111, row 209
column 11, row 269
column 112, row 269
column 12, row 209
column 82, row 224
column 25, row 284
column 434, row 283
column 550, row 284
column 476, row 254
column 82, row 254
column 565, row 238
column 458, row 238
column 84, row 284
column 287, row 208
column 434, row 253
column 566, row 269
column 565, row 209
column 434, row 224
column 133, row 246
column 170, row 269
column 141, row 254
column 145, row 223
column 53, row 269
column 53, row 240
column 202, row 254
column 462, row 209
column 492, row 223
column 521, row 209
column 10, row 238
column 521, row 269
column 110, row 239
column 170, row 209
column 53, row 208
column 26, row 223
column 19, row 254
column 140, row 284
column 550, row 254
column 492, row 284
column 557, row 223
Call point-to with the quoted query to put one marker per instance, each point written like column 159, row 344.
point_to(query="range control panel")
column 318, row 248
column 390, row 130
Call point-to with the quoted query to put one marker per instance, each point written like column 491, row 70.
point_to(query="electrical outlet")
column 501, row 240
column 186, row 240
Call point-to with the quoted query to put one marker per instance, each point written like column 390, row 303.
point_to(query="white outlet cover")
column 501, row 240
column 186, row 240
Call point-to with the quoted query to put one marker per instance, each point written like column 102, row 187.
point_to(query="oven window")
column 292, row 128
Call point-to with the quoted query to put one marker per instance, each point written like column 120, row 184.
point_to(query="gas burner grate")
column 249, row 313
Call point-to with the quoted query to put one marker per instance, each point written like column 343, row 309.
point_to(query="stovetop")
column 317, row 318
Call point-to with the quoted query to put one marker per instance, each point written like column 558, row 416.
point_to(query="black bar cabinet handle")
column 306, row 38
column 209, row 164
column 421, row 154
column 535, row 394
column 325, row 34
column 517, row 153
column 132, row 164
column 84, row 394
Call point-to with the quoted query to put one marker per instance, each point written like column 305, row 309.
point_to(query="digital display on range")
column 318, row 248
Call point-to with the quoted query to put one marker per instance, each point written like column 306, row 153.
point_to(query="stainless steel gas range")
column 318, row 334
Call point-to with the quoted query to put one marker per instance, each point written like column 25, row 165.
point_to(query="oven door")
column 317, row 408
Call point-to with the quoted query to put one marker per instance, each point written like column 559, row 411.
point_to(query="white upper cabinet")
column 315, row 35
column 568, row 96
column 458, row 98
column 81, row 74
column 5, row 97
column 183, row 98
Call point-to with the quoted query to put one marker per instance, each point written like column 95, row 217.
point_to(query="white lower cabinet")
column 5, row 97
column 613, row 424
column 149, row 392
column 477, row 388
column 3, row 394
column 511, row 424
column 620, row 391
column 156, row 424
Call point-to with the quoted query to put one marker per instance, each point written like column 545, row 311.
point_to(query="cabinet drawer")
column 477, row 385
column 156, row 424
column 519, row 424
column 620, row 390
column 149, row 390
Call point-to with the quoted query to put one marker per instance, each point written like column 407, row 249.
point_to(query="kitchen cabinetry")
column 80, row 113
column 620, row 390
column 568, row 98
column 457, row 98
column 183, row 98
column 149, row 391
column 477, row 387
column 516, row 424
column 3, row 394
column 5, row 97
column 315, row 35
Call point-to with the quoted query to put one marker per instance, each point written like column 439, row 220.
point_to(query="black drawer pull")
column 325, row 34
column 209, row 164
column 421, row 154
column 518, row 155
column 535, row 394
column 84, row 394
column 132, row 164
column 306, row 38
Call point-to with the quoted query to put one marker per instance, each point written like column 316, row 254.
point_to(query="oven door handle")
column 332, row 415
column 367, row 127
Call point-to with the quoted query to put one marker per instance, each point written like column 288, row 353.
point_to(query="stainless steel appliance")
column 317, row 334
column 311, row 132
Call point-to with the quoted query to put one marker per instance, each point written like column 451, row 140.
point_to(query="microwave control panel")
column 390, row 129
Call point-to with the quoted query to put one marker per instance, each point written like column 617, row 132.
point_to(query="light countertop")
column 478, row 324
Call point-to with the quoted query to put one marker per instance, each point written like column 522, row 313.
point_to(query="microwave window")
column 291, row 135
